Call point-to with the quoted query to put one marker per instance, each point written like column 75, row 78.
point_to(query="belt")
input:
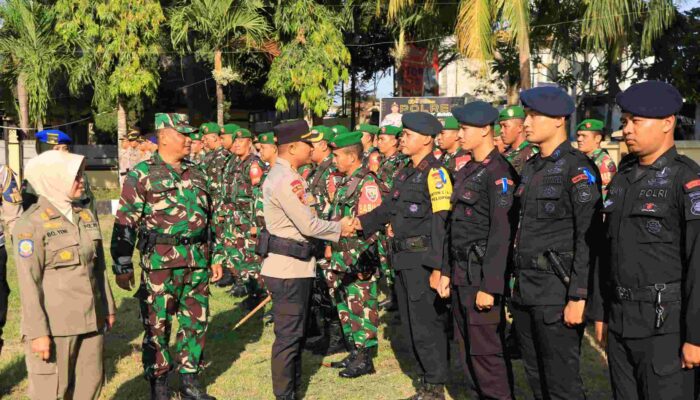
column 411, row 244
column 648, row 294
column 179, row 240
column 289, row 247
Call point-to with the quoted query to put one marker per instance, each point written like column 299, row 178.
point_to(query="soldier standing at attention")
column 453, row 157
column 164, row 202
column 498, row 139
column 646, row 301
column 353, row 270
column 66, row 300
column 589, row 135
column 392, row 162
column 513, row 135
column 289, row 264
column 480, row 236
column 417, row 208
column 198, row 153
column 560, row 202
column 370, row 154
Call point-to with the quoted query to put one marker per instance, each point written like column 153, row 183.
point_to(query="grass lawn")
column 239, row 362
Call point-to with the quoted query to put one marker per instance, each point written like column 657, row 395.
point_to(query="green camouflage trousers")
column 181, row 292
column 384, row 260
column 356, row 301
column 246, row 264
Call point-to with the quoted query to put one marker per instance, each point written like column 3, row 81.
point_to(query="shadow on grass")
column 12, row 375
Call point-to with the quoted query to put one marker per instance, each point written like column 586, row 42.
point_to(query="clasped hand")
column 348, row 226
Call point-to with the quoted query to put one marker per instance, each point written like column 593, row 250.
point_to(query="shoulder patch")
column 370, row 198
column 255, row 173
column 440, row 188
column 692, row 184
column 25, row 248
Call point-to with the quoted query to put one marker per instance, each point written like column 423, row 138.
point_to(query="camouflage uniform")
column 371, row 159
column 517, row 157
column 239, row 182
column 455, row 161
column 170, row 211
column 606, row 166
column 305, row 170
column 355, row 296
column 323, row 182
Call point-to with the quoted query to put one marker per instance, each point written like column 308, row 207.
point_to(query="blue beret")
column 651, row 99
column 422, row 122
column 476, row 113
column 53, row 136
column 548, row 100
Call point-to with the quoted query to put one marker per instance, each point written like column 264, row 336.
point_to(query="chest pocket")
column 413, row 205
column 62, row 252
column 549, row 201
column 652, row 222
column 464, row 204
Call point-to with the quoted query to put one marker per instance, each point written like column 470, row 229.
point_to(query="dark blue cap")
column 422, row 122
column 477, row 113
column 650, row 99
column 548, row 100
column 53, row 136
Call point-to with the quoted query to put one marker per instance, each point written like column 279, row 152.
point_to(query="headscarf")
column 52, row 174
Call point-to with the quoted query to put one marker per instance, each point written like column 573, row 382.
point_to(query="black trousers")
column 649, row 368
column 4, row 290
column 423, row 318
column 480, row 338
column 290, row 308
column 551, row 352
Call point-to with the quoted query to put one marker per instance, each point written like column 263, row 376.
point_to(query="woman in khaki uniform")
column 66, row 300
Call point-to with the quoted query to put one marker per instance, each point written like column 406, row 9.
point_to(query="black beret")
column 651, row 99
column 422, row 122
column 290, row 132
column 477, row 113
column 548, row 100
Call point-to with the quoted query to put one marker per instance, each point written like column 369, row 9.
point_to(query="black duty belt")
column 289, row 247
column 413, row 244
column 179, row 240
column 649, row 294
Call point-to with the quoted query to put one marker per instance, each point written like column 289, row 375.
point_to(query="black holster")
column 262, row 244
column 557, row 266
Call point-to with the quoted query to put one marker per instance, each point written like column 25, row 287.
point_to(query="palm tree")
column 213, row 26
column 32, row 53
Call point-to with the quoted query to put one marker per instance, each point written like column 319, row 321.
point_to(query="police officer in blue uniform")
column 647, row 289
column 560, row 201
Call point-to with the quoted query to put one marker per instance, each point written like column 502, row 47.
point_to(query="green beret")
column 337, row 129
column 196, row 135
column 496, row 130
column 450, row 123
column 512, row 112
column 594, row 125
column 266, row 138
column 243, row 133
column 210, row 128
column 179, row 122
column 346, row 139
column 390, row 130
column 230, row 129
column 369, row 128
column 318, row 133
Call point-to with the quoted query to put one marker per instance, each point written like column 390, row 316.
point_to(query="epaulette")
column 627, row 161
column 688, row 162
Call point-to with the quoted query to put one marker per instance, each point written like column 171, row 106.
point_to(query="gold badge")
column 66, row 255
column 44, row 216
column 239, row 134
column 588, row 124
column 85, row 216
column 510, row 112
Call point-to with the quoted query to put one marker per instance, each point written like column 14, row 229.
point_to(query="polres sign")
column 392, row 108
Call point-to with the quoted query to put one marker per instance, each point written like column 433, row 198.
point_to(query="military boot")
column 159, row 388
column 345, row 362
column 429, row 391
column 226, row 280
column 191, row 390
column 361, row 365
column 390, row 304
column 238, row 289
column 286, row 397
column 336, row 339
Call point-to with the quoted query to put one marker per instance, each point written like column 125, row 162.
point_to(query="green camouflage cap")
column 319, row 133
column 369, row 128
column 594, row 125
column 179, row 122
column 390, row 130
column 346, row 139
column 512, row 112
column 230, row 129
column 496, row 130
column 209, row 128
column 267, row 138
column 338, row 129
column 196, row 135
column 450, row 123
column 243, row 133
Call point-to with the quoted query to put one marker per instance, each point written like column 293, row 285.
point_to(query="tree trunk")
column 353, row 93
column 39, row 125
column 512, row 94
column 121, row 128
column 219, row 90
column 23, row 99
column 524, row 56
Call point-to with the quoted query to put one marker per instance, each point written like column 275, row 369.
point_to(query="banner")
column 392, row 108
column 418, row 74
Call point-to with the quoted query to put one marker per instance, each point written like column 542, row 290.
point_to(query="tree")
column 119, row 43
column 212, row 26
column 32, row 54
column 313, row 57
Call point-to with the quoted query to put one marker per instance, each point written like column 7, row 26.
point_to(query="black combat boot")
column 159, row 388
column 345, row 362
column 238, row 289
column 191, row 390
column 390, row 304
column 361, row 365
column 429, row 391
column 336, row 339
column 286, row 397
column 226, row 280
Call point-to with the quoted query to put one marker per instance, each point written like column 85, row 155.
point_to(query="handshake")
column 349, row 226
